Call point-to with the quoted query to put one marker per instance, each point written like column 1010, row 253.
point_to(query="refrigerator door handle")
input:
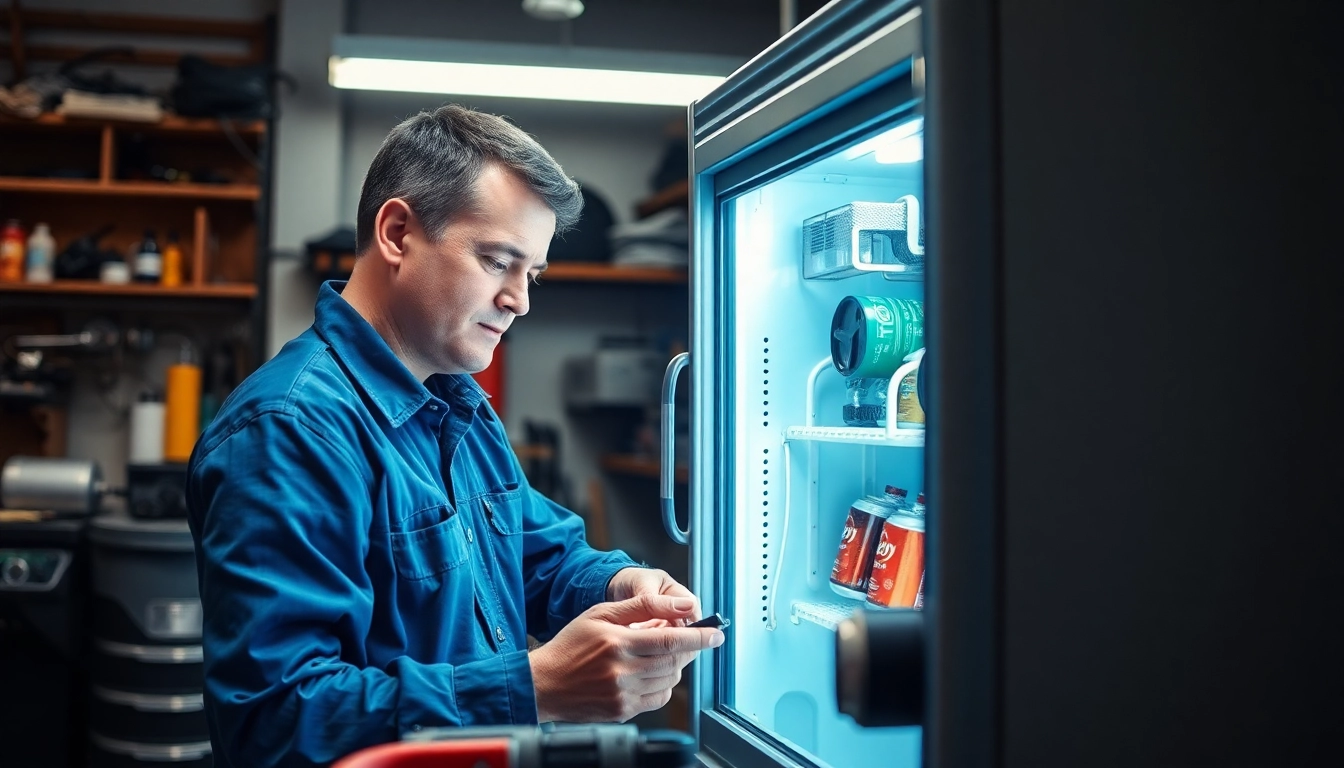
column 667, row 469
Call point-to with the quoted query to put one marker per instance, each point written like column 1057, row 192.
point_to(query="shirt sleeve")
column 562, row 575
column 280, row 516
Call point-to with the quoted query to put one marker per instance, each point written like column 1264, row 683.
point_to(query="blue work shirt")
column 371, row 558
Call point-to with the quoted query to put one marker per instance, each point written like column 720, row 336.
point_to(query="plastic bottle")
column 11, row 252
column 147, row 429
column 865, row 402
column 172, row 262
column 41, row 255
column 182, row 411
column 148, row 261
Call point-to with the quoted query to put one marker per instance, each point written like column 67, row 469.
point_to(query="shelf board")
column 131, row 188
column 912, row 438
column 678, row 193
column 169, row 124
column 638, row 466
column 598, row 272
column 234, row 291
column 828, row 615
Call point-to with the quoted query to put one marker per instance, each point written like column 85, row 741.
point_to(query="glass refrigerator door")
column 807, row 318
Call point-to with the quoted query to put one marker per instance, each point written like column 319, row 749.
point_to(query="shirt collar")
column 386, row 381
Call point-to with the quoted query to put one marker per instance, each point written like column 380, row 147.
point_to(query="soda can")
column 897, row 574
column 872, row 335
column 854, row 558
column 919, row 597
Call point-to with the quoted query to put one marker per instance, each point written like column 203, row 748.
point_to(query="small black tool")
column 713, row 622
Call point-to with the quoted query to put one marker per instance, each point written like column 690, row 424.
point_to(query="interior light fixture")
column 553, row 10
column 470, row 68
column 899, row 135
column 907, row 150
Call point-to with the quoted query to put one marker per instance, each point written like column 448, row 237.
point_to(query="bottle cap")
column 894, row 491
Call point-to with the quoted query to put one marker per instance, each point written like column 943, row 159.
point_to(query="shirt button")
column 499, row 632
column 470, row 538
column 433, row 407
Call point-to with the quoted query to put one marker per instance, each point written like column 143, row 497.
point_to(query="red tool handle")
column 465, row 753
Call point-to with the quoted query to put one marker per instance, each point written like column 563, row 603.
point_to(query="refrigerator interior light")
column 471, row 68
column 908, row 133
column 907, row 150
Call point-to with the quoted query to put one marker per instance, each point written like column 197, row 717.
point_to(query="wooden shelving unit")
column 169, row 124
column 596, row 272
column 102, row 183
column 639, row 466
column 235, row 291
column 132, row 188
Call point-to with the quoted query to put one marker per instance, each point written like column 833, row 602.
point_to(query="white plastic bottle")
column 41, row 255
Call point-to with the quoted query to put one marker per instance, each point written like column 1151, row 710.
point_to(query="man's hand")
column 634, row 582
column 597, row 669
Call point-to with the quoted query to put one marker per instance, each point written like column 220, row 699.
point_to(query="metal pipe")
column 788, row 16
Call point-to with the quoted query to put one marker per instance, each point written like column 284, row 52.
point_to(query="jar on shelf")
column 866, row 401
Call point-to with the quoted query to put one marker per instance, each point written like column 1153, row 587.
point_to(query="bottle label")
column 909, row 412
column 148, row 265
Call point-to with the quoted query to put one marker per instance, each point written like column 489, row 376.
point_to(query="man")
column 371, row 558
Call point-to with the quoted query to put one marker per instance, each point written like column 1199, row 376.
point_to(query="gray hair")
column 432, row 161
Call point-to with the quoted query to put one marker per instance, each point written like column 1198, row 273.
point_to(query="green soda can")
column 871, row 335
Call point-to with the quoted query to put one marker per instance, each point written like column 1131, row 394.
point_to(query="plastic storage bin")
column 861, row 238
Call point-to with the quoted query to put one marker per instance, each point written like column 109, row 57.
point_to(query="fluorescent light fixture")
column 907, row 150
column 909, row 130
column 524, row 71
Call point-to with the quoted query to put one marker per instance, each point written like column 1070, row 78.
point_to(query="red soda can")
column 897, row 574
column 849, row 575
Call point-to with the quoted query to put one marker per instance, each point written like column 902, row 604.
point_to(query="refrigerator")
column 1066, row 192
column 800, row 199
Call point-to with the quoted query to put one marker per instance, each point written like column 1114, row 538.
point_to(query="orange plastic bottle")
column 172, row 263
column 11, row 252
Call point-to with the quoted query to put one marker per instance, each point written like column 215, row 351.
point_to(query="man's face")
column 456, row 297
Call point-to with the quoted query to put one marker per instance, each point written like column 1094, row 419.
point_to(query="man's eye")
column 496, row 265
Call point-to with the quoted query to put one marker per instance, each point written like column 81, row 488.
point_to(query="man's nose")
column 514, row 296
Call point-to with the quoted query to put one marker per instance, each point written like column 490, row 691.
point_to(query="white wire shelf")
column 828, row 615
column 904, row 438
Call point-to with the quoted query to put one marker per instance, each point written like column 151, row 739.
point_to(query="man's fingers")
column 641, row 685
column 651, row 701
column 649, row 667
column 670, row 641
column 676, row 590
column 646, row 607
column 650, row 624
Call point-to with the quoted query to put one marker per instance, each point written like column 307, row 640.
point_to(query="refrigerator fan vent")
column 864, row 237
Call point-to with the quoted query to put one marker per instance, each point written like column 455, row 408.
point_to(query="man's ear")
column 395, row 220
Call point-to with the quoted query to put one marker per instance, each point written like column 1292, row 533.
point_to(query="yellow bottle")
column 182, row 409
column 172, row 263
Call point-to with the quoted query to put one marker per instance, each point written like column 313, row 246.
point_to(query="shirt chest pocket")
column 427, row 552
